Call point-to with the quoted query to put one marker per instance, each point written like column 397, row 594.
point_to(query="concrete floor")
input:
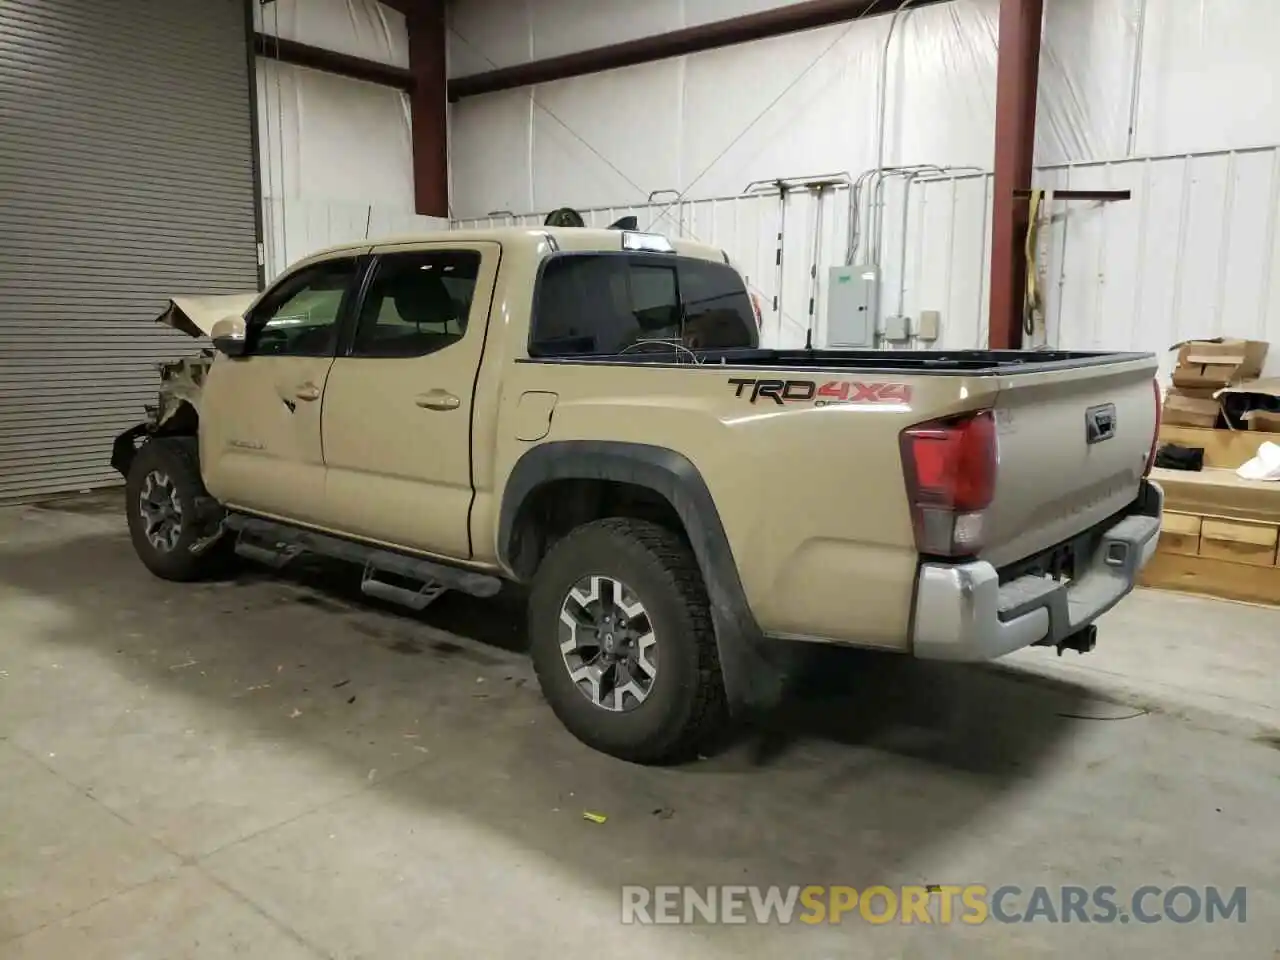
column 276, row 769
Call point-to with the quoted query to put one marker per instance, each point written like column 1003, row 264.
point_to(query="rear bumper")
column 963, row 612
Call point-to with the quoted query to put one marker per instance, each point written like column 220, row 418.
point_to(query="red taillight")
column 755, row 305
column 950, row 468
column 1155, row 433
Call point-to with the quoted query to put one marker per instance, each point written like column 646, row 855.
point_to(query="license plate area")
column 1061, row 562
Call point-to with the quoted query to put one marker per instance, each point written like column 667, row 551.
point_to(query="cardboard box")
column 1190, row 410
column 1263, row 420
column 1261, row 394
column 1218, row 363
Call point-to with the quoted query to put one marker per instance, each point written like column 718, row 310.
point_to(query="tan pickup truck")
column 589, row 413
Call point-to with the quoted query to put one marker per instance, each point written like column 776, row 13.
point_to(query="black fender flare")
column 751, row 679
column 124, row 448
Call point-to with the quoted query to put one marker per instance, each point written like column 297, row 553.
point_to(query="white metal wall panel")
column 297, row 228
column 325, row 137
column 1194, row 253
column 125, row 178
column 945, row 259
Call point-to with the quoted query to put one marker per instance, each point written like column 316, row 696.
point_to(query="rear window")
column 604, row 304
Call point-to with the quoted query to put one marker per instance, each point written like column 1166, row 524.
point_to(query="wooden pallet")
column 1221, row 534
column 1219, row 556
column 1224, row 449
column 1210, row 577
column 1219, row 493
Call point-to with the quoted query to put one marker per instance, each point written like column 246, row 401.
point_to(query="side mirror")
column 228, row 336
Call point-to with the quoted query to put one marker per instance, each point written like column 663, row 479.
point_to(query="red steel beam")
column 330, row 61
column 1017, row 77
column 424, row 82
column 805, row 15
column 428, row 107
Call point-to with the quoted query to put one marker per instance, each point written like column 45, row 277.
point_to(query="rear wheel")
column 622, row 641
column 168, row 511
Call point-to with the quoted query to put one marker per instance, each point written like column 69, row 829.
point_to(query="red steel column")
column 428, row 107
column 1017, row 76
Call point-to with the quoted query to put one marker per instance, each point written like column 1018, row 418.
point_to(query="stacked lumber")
column 1221, row 533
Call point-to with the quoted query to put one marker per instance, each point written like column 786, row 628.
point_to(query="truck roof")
column 567, row 238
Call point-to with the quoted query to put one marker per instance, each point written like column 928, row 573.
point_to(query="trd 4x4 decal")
column 827, row 394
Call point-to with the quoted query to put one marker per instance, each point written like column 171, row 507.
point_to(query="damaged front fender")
column 195, row 316
column 177, row 406
column 180, row 383
column 181, row 380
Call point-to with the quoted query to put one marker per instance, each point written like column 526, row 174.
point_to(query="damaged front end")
column 177, row 407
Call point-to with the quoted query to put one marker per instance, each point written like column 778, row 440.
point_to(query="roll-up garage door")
column 126, row 177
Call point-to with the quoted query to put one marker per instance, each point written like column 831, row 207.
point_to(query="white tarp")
column 337, row 154
column 1118, row 78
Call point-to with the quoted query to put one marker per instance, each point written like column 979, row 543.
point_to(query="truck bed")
column 955, row 362
column 1073, row 429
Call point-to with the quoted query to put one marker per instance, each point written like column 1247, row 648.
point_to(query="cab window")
column 417, row 303
column 299, row 316
column 607, row 304
column 718, row 313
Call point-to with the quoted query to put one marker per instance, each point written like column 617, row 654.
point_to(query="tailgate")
column 1073, row 445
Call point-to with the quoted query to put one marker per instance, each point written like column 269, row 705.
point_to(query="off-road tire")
column 176, row 458
column 686, row 705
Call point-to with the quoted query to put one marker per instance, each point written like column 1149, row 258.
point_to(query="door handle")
column 437, row 400
column 307, row 391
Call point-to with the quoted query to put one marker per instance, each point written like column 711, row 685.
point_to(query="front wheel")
column 169, row 521
column 622, row 641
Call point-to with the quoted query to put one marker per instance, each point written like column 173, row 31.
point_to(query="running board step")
column 418, row 599
column 275, row 544
column 275, row 556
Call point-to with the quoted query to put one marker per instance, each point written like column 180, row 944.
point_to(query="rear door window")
column 606, row 304
column 718, row 314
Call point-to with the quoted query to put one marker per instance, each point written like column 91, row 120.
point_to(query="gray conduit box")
column 929, row 327
column 896, row 328
column 851, row 298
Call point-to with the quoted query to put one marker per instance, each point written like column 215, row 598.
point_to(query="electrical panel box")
column 896, row 329
column 851, row 297
column 929, row 326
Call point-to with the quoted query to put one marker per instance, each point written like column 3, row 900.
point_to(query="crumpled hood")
column 195, row 316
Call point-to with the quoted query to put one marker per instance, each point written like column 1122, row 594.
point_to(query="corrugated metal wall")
column 125, row 178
